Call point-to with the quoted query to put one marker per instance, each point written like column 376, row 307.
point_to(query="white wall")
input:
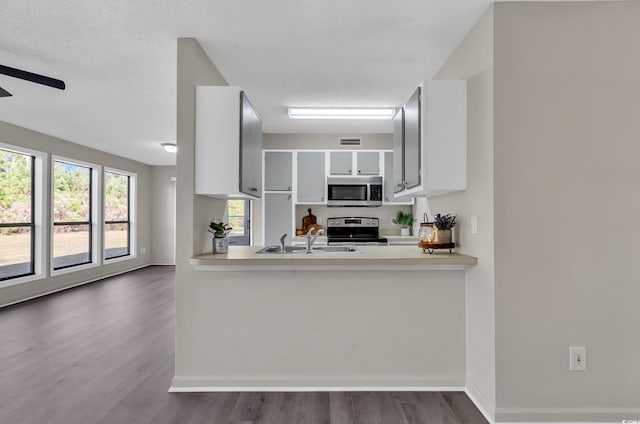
column 473, row 61
column 22, row 137
column 193, row 212
column 163, row 215
column 566, row 94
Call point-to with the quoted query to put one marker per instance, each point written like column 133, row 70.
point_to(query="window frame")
column 95, row 216
column 39, row 162
column 132, row 213
column 245, row 239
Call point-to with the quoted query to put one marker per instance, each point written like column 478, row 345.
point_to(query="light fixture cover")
column 170, row 147
column 341, row 113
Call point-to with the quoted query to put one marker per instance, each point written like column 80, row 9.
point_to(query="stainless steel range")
column 354, row 230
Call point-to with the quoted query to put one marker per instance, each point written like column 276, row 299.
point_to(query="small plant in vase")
column 405, row 221
column 220, row 231
column 444, row 224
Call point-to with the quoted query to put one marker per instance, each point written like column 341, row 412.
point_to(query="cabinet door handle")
column 349, row 172
column 322, row 199
column 289, row 197
column 253, row 189
column 359, row 171
column 289, row 189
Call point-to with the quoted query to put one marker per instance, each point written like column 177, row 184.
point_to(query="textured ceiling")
column 118, row 59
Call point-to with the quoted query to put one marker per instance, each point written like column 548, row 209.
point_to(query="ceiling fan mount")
column 31, row 77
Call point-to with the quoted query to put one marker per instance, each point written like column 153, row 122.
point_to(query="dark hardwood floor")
column 103, row 353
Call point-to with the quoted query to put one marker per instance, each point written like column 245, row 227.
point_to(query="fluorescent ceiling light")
column 170, row 147
column 341, row 113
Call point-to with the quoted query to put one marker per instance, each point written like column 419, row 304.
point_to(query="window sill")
column 55, row 273
column 119, row 259
column 21, row 280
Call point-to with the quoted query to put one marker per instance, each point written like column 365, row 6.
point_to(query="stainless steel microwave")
column 354, row 191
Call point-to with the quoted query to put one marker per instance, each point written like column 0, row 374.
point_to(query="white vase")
column 220, row 244
column 405, row 231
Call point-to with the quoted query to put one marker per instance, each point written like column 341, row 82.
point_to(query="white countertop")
column 409, row 258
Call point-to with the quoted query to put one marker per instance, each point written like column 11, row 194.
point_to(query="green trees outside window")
column 117, row 215
column 16, row 214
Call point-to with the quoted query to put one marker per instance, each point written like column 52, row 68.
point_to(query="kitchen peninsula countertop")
column 399, row 258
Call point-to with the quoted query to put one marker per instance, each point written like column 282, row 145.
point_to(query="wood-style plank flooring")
column 103, row 353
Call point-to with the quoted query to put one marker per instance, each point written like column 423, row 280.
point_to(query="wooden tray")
column 430, row 247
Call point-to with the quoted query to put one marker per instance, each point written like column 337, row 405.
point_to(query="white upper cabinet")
column 354, row 163
column 388, row 189
column 312, row 182
column 340, row 163
column 277, row 171
column 368, row 163
column 228, row 144
column 431, row 144
column 397, row 176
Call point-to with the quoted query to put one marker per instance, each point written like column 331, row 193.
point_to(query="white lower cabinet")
column 278, row 217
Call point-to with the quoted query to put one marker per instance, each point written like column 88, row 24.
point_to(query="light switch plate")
column 577, row 358
column 474, row 225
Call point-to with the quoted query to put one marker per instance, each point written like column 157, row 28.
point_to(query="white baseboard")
column 174, row 389
column 161, row 263
column 486, row 408
column 313, row 384
column 124, row 271
column 403, row 383
column 566, row 415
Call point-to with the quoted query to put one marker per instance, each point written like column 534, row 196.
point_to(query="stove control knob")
column 368, row 222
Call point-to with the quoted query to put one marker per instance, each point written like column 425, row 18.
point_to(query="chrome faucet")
column 284, row 236
column 311, row 239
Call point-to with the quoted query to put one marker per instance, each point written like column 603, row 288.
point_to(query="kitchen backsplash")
column 383, row 213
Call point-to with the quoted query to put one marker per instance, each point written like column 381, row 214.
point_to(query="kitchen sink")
column 349, row 249
column 300, row 249
column 277, row 249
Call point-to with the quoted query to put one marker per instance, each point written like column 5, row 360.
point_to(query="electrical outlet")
column 143, row 250
column 577, row 358
column 474, row 225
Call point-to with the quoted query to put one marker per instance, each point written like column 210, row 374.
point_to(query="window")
column 117, row 214
column 240, row 220
column 17, row 214
column 72, row 243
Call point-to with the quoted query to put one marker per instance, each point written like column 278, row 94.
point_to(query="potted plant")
column 404, row 220
column 444, row 224
column 220, row 231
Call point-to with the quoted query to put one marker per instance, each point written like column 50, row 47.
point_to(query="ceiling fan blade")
column 30, row 76
column 4, row 93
